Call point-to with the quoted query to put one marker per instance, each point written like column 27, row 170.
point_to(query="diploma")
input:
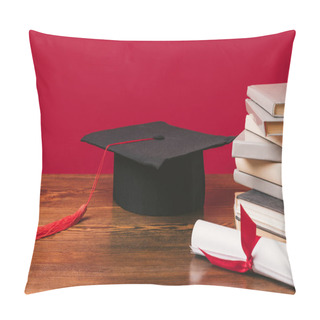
column 269, row 257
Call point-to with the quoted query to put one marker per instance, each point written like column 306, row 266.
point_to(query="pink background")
column 90, row 85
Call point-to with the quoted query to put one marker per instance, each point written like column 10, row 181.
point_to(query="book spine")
column 261, row 185
column 255, row 150
column 262, row 232
column 270, row 171
column 271, row 222
column 258, row 121
column 251, row 125
column 261, row 100
column 262, row 200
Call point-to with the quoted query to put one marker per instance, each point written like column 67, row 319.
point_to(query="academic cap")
column 162, row 176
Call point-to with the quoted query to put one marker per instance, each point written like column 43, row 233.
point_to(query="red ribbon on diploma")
column 249, row 240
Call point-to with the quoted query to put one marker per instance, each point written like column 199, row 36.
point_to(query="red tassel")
column 62, row 224
column 69, row 221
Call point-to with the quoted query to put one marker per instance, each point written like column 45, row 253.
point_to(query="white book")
column 267, row 222
column 261, row 232
column 270, row 257
column 263, row 169
column 271, row 97
column 253, row 127
column 269, row 125
column 264, row 225
column 250, row 145
column 261, row 185
column 266, row 212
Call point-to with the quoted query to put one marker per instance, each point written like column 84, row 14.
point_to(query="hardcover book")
column 266, row 211
column 269, row 125
column 271, row 97
column 267, row 170
column 261, row 231
column 250, row 145
column 261, row 199
column 250, row 125
column 262, row 185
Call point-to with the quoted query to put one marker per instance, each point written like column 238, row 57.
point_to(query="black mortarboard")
column 163, row 176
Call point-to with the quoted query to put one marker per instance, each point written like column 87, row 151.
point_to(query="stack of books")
column 257, row 152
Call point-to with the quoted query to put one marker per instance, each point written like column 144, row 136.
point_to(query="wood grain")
column 113, row 246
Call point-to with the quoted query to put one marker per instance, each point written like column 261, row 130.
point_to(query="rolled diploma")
column 270, row 257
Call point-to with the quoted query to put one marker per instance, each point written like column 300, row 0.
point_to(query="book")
column 250, row 145
column 270, row 97
column 261, row 232
column 263, row 169
column 257, row 198
column 250, row 125
column 262, row 185
column 270, row 257
column 269, row 125
column 266, row 212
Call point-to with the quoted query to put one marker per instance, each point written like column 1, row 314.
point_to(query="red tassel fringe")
column 69, row 221
column 62, row 224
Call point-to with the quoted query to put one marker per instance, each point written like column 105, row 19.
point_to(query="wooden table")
column 113, row 246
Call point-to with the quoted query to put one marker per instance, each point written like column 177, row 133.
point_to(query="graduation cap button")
column 158, row 137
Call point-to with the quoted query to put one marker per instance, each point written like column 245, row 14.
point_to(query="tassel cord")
column 69, row 221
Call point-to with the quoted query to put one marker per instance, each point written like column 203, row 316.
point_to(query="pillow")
column 87, row 86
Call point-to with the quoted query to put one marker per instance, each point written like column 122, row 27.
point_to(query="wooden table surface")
column 112, row 246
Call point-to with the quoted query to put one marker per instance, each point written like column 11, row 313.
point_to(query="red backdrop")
column 87, row 85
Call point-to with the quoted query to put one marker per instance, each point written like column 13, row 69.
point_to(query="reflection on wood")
column 113, row 246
